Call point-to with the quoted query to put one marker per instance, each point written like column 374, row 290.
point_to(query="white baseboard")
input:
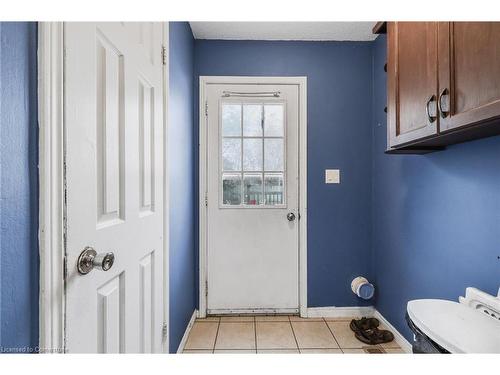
column 340, row 312
column 252, row 311
column 180, row 349
column 400, row 339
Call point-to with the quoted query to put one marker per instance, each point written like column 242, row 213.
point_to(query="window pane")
column 252, row 120
column 231, row 120
column 273, row 120
column 273, row 154
column 231, row 189
column 231, row 154
column 252, row 154
column 273, row 188
column 252, row 189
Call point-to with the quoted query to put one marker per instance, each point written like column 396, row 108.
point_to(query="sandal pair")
column 363, row 324
column 366, row 330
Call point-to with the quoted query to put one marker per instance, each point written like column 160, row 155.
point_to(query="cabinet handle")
column 431, row 99
column 444, row 113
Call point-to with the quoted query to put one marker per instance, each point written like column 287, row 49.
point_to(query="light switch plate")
column 332, row 176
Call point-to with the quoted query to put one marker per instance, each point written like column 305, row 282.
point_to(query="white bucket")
column 362, row 288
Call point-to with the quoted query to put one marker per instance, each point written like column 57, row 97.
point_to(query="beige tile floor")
column 278, row 334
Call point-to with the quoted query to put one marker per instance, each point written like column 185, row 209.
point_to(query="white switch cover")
column 332, row 176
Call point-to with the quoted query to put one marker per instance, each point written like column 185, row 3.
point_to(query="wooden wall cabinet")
column 412, row 81
column 443, row 84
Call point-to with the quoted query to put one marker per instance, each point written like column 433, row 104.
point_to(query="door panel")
column 469, row 73
column 109, row 131
column 114, row 185
column 412, row 81
column 146, row 146
column 252, row 183
column 111, row 316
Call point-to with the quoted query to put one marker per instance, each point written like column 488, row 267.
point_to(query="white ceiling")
column 360, row 31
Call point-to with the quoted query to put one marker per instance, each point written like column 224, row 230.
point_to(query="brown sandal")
column 363, row 324
column 374, row 336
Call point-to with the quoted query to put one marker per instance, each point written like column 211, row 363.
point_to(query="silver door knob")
column 290, row 216
column 89, row 259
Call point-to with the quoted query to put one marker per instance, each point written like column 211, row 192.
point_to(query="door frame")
column 301, row 82
column 52, row 204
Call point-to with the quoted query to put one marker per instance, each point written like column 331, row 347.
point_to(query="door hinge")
column 206, row 108
column 206, row 200
column 206, row 288
column 164, row 332
column 164, row 55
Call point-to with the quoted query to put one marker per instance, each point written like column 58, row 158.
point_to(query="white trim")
column 182, row 344
column 202, row 304
column 340, row 312
column 252, row 311
column 303, row 195
column 51, row 173
column 302, row 83
column 166, row 192
column 398, row 337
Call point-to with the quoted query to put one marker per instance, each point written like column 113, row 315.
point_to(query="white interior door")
column 252, row 198
column 114, row 185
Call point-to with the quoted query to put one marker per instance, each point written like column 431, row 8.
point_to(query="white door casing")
column 249, row 253
column 114, row 185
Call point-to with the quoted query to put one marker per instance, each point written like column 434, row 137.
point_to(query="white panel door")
column 114, row 185
column 252, row 191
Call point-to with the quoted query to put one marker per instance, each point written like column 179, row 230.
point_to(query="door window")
column 252, row 153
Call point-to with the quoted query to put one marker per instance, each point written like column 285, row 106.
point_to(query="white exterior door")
column 252, row 198
column 114, row 185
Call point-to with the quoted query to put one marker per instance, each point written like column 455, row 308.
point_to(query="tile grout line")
column 255, row 333
column 293, row 332
column 327, row 326
column 216, row 335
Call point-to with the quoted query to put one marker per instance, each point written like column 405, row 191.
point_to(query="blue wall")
column 419, row 226
column 18, row 187
column 436, row 217
column 181, row 173
column 339, row 80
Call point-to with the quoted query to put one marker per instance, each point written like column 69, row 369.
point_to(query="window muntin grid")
column 252, row 154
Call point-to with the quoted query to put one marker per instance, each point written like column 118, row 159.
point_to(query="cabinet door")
column 412, row 81
column 469, row 73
